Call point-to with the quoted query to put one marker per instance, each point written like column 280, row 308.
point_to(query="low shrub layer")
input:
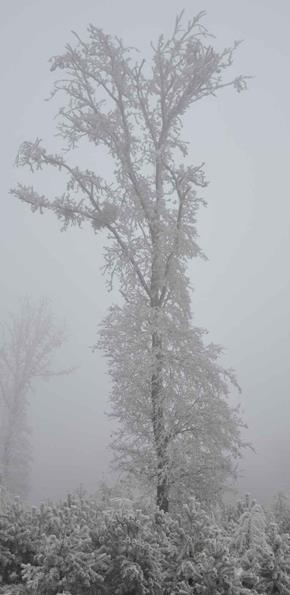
column 80, row 547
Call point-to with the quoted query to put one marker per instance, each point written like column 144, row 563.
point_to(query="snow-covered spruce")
column 85, row 546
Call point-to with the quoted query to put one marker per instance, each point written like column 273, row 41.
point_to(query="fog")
column 241, row 295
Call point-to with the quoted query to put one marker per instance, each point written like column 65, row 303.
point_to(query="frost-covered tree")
column 169, row 394
column 28, row 342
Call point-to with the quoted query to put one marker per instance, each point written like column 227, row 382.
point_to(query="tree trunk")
column 159, row 430
column 6, row 456
column 157, row 397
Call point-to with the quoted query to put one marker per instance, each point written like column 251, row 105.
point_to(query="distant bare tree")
column 176, row 428
column 28, row 342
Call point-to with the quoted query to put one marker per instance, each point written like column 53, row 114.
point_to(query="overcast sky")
column 242, row 294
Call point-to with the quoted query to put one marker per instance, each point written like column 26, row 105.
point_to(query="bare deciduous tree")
column 169, row 393
column 28, row 343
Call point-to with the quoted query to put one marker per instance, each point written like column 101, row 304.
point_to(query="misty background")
column 242, row 294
